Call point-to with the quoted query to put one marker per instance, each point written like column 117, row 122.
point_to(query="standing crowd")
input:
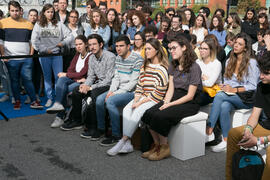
column 149, row 71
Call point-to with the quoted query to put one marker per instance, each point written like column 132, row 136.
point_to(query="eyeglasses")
column 137, row 39
column 173, row 48
column 75, row 17
column 170, row 14
column 205, row 49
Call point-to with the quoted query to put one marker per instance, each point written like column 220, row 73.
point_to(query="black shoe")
column 88, row 133
column 110, row 141
column 97, row 135
column 71, row 125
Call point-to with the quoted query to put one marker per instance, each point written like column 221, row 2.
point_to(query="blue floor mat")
column 7, row 108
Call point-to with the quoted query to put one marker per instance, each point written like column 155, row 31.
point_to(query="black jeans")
column 77, row 97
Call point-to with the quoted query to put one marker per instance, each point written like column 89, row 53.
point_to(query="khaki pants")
column 235, row 135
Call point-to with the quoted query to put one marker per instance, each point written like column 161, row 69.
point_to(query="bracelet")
column 258, row 141
column 249, row 128
column 266, row 140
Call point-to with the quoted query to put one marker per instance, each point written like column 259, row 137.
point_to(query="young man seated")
column 100, row 73
column 127, row 71
column 257, row 131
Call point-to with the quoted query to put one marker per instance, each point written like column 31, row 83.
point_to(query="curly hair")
column 43, row 20
column 192, row 18
column 116, row 22
column 220, row 26
column 243, row 67
column 139, row 14
column 162, row 57
column 103, row 20
column 189, row 56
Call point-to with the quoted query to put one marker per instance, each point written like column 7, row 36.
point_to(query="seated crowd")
column 108, row 65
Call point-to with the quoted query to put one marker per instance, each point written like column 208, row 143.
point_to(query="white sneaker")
column 4, row 98
column 27, row 100
column 220, row 147
column 13, row 100
column 57, row 122
column 209, row 138
column 48, row 103
column 127, row 148
column 115, row 149
column 55, row 108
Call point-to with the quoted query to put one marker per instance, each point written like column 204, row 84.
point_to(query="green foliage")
column 196, row 8
column 156, row 10
column 243, row 4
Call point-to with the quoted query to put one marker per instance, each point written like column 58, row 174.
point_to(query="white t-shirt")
column 212, row 70
column 80, row 62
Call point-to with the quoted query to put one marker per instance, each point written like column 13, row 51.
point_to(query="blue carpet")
column 7, row 109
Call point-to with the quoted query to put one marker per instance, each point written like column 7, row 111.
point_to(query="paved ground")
column 30, row 149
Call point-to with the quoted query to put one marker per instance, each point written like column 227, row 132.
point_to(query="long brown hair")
column 189, row 56
column 162, row 57
column 220, row 26
column 43, row 20
column 103, row 20
column 116, row 23
column 203, row 24
column 243, row 67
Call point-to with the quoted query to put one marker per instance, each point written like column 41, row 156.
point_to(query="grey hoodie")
column 46, row 38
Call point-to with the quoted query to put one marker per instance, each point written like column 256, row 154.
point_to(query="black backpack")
column 247, row 165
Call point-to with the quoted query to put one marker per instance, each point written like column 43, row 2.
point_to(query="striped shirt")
column 153, row 82
column 15, row 36
column 126, row 73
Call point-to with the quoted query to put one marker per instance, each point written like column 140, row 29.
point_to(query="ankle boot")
column 163, row 152
column 153, row 148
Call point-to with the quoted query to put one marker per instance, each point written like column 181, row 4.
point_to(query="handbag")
column 212, row 91
column 247, row 97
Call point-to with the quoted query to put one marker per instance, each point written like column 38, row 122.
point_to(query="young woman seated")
column 181, row 100
column 75, row 75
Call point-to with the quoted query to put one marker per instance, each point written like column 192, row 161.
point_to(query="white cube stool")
column 238, row 117
column 187, row 139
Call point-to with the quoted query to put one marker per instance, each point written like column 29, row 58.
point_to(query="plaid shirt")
column 100, row 71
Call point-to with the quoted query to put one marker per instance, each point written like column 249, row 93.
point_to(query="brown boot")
column 153, row 148
column 164, row 152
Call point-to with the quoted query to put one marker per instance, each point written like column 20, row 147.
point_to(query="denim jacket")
column 132, row 31
column 105, row 33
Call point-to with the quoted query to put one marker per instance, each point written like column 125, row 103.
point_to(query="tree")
column 243, row 4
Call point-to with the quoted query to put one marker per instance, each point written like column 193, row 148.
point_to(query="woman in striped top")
column 181, row 99
column 150, row 90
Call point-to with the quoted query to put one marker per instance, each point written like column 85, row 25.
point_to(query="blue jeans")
column 112, row 104
column 222, row 107
column 50, row 64
column 21, row 68
column 64, row 85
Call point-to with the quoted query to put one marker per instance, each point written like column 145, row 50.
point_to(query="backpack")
column 247, row 165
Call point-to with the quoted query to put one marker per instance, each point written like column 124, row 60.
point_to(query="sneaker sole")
column 39, row 107
column 97, row 139
column 107, row 145
column 86, row 137
column 53, row 111
column 69, row 129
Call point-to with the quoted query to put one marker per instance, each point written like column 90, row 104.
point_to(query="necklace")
column 83, row 56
